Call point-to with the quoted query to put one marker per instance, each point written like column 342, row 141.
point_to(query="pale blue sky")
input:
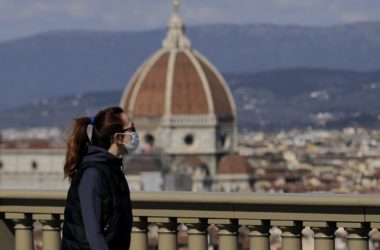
column 24, row 17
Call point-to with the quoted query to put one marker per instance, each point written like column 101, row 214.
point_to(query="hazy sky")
column 24, row 17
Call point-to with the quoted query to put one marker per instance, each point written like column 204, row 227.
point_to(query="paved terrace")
column 358, row 214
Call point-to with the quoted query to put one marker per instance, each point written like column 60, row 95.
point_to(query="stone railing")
column 257, row 213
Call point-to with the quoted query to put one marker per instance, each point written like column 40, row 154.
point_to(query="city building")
column 182, row 106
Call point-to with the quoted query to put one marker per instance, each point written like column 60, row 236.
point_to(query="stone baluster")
column 228, row 234
column 51, row 230
column 258, row 234
column 7, row 238
column 357, row 235
column 291, row 234
column 139, row 236
column 23, row 226
column 167, row 234
column 324, row 235
column 197, row 233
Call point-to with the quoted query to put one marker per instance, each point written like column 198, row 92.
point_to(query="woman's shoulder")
column 87, row 165
column 87, row 171
column 91, row 172
column 91, row 179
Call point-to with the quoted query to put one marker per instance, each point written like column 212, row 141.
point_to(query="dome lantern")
column 176, row 38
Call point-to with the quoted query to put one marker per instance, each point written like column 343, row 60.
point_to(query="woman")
column 98, row 214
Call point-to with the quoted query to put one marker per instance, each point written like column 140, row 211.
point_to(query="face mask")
column 133, row 144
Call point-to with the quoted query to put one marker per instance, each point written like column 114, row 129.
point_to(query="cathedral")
column 182, row 105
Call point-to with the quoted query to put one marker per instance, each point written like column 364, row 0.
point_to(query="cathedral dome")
column 178, row 80
column 181, row 104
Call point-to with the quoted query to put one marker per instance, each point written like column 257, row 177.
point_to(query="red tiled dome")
column 234, row 164
column 177, row 80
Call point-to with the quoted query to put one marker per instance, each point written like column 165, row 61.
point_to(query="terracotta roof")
column 192, row 161
column 268, row 177
column 188, row 96
column 142, row 163
column 219, row 95
column 150, row 98
column 234, row 164
column 193, row 84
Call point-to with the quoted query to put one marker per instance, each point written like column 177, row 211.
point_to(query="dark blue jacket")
column 98, row 213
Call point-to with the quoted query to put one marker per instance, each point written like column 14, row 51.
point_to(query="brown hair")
column 106, row 123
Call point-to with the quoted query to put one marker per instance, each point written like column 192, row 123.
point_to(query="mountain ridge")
column 163, row 29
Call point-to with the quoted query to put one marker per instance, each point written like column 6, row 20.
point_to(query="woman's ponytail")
column 104, row 125
column 76, row 146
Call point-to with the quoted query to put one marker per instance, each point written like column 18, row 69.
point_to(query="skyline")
column 23, row 18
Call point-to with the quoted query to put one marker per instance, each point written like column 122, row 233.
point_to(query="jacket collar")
column 101, row 155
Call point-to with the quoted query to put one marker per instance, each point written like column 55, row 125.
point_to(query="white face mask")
column 133, row 144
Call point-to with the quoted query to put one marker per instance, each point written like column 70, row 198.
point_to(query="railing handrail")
column 31, row 195
column 309, row 199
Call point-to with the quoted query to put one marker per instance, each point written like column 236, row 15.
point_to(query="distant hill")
column 57, row 111
column 307, row 97
column 71, row 62
column 272, row 100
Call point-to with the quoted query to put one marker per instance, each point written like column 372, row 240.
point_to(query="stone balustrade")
column 227, row 212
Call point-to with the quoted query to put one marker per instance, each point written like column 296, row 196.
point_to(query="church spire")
column 176, row 38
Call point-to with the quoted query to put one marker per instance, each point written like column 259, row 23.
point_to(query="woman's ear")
column 118, row 138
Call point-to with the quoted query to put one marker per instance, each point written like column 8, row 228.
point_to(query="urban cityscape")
column 219, row 165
